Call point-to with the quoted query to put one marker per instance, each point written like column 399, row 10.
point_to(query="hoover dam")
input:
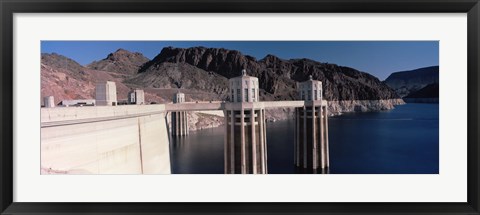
column 108, row 138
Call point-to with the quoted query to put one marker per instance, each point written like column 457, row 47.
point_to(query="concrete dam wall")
column 129, row 139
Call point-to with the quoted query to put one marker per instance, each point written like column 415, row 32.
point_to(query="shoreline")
column 203, row 120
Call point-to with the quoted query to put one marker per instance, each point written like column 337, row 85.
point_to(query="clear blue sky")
column 379, row 58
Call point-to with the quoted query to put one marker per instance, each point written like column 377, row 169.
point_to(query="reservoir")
column 404, row 140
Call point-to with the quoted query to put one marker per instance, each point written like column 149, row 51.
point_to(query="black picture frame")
column 9, row 7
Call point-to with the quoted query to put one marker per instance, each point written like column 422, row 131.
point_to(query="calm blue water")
column 403, row 140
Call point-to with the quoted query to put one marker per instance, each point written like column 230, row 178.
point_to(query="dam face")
column 105, row 140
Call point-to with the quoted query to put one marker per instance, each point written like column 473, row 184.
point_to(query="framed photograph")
column 242, row 107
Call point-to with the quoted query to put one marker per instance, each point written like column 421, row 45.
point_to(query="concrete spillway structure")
column 245, row 139
column 311, row 129
column 179, row 118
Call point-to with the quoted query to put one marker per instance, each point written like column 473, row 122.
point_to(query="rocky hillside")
column 407, row 82
column 65, row 79
column 122, row 62
column 195, row 82
column 69, row 66
column 277, row 76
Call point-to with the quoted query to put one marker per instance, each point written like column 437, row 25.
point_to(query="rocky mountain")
column 428, row 94
column 121, row 61
column 277, row 77
column 407, row 82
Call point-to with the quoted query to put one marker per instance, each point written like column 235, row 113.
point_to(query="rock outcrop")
column 338, row 107
column 201, row 120
column 121, row 61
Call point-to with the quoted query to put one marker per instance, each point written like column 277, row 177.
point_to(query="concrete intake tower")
column 179, row 118
column 311, row 129
column 245, row 139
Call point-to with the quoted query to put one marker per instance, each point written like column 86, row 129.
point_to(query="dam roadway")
column 216, row 105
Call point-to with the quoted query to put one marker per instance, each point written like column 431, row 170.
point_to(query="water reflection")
column 301, row 170
column 199, row 153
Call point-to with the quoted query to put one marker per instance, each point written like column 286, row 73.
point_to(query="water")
column 403, row 140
